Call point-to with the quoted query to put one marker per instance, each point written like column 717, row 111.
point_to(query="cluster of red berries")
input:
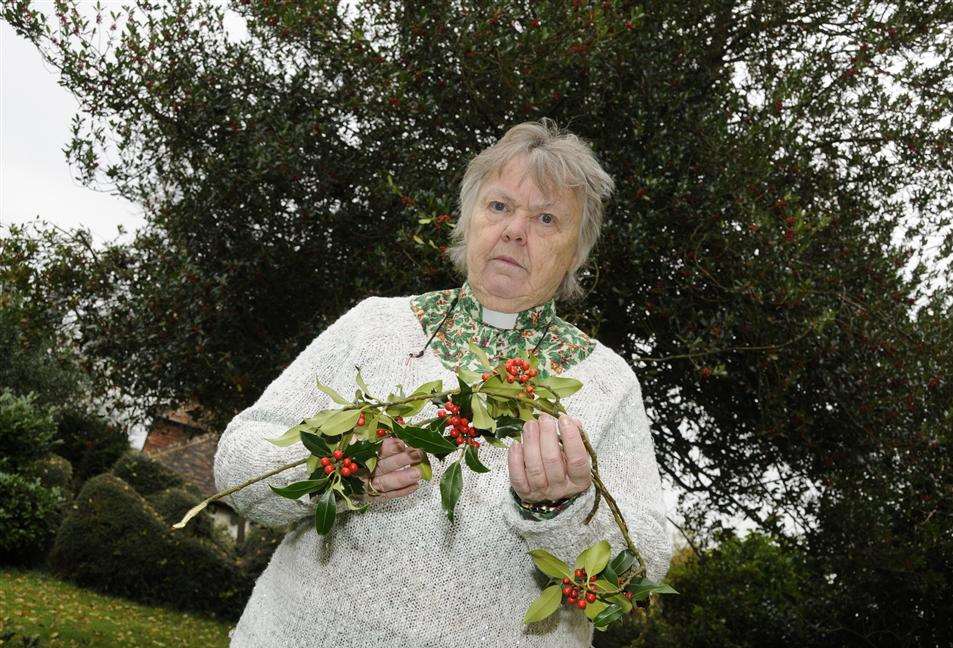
column 347, row 467
column 383, row 432
column 462, row 430
column 572, row 592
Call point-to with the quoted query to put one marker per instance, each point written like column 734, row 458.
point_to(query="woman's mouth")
column 507, row 261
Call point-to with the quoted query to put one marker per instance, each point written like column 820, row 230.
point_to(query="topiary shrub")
column 254, row 554
column 27, row 431
column 115, row 542
column 172, row 503
column 89, row 441
column 29, row 516
column 52, row 470
column 144, row 474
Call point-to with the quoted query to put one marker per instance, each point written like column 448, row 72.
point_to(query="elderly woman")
column 400, row 573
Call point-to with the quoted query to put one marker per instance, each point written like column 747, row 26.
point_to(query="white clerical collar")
column 498, row 319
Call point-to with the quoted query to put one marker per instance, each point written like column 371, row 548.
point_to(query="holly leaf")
column 608, row 614
column 361, row 451
column 544, row 605
column 340, row 422
column 299, row 488
column 621, row 563
column 292, row 436
column 643, row 588
column 451, row 485
column 336, row 397
column 473, row 461
column 593, row 609
column 426, row 472
column 468, row 377
column 362, row 384
column 324, row 512
column 560, row 385
column 426, row 439
column 315, row 444
column 550, row 564
column 481, row 418
column 594, row 557
column 509, row 426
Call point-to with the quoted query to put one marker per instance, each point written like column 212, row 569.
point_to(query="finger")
column 514, row 460
column 551, row 454
column 577, row 459
column 396, row 479
column 398, row 461
column 535, row 473
column 391, row 446
column 407, row 490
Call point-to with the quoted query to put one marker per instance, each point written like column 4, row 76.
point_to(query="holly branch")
column 344, row 444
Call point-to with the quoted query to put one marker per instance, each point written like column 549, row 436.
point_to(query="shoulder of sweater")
column 610, row 371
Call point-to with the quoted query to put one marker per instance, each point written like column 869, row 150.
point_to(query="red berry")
column 347, row 461
column 346, row 471
column 448, row 405
column 523, row 378
column 571, row 600
column 533, row 373
column 325, row 461
column 510, row 378
column 575, row 592
column 530, row 389
column 441, row 413
column 628, row 595
column 328, row 470
column 486, row 376
column 591, row 597
column 579, row 573
column 464, row 421
column 567, row 591
column 400, row 419
column 459, row 441
column 581, row 604
column 338, row 454
column 566, row 581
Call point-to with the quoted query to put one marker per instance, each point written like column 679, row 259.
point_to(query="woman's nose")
column 516, row 228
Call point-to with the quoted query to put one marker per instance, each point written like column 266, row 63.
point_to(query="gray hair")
column 556, row 161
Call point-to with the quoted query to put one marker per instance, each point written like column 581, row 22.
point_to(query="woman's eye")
column 496, row 202
column 547, row 219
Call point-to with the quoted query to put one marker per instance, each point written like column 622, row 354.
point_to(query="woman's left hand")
column 540, row 469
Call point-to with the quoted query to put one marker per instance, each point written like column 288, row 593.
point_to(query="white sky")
column 35, row 180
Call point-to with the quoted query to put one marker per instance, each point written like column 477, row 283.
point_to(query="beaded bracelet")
column 541, row 510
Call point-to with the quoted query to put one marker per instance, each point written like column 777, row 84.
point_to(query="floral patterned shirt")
column 561, row 345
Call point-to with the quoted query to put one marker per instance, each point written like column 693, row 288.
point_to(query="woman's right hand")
column 396, row 473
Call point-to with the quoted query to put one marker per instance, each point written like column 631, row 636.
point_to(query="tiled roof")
column 192, row 461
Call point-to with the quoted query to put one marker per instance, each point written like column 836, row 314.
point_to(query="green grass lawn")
column 34, row 604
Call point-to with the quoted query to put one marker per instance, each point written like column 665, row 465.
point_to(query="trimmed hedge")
column 53, row 470
column 89, row 441
column 172, row 503
column 115, row 542
column 29, row 516
column 144, row 474
column 27, row 431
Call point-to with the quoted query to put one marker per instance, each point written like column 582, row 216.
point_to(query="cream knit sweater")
column 400, row 573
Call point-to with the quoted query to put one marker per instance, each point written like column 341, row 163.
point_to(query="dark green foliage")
column 89, row 441
column 27, row 431
column 29, row 516
column 751, row 263
column 144, row 474
column 172, row 503
column 255, row 553
column 53, row 470
column 742, row 593
column 114, row 542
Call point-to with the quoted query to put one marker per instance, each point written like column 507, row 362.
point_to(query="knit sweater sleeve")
column 243, row 450
column 629, row 470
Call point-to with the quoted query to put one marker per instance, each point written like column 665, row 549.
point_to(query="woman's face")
column 512, row 220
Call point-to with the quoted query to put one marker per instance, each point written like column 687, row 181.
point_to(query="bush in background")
column 27, row 431
column 89, row 441
column 29, row 516
column 254, row 554
column 144, row 474
column 115, row 542
column 52, row 470
column 172, row 503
